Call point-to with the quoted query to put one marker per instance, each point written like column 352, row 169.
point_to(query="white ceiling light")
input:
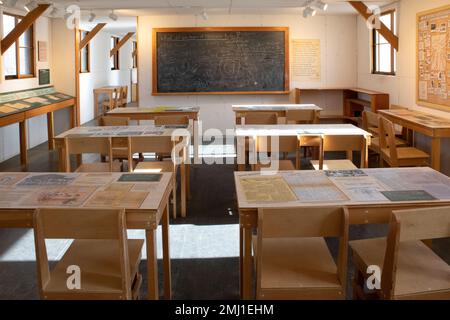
column 309, row 12
column 321, row 5
column 30, row 6
column 91, row 16
column 1, row 2
column 113, row 16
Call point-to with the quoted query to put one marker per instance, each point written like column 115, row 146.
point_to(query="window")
column 115, row 57
column 18, row 60
column 84, row 55
column 134, row 53
column 384, row 59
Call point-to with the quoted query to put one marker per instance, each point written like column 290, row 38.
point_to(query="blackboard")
column 220, row 61
column 44, row 76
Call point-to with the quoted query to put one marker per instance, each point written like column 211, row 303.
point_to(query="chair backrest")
column 171, row 120
column 276, row 144
column 163, row 145
column 117, row 97
column 261, row 118
column 96, row 145
column 387, row 140
column 306, row 223
column 370, row 121
column 348, row 143
column 302, row 116
column 124, row 94
column 110, row 121
column 81, row 224
column 411, row 225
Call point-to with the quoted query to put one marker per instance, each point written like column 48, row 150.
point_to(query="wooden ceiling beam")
column 366, row 13
column 91, row 34
column 121, row 43
column 22, row 26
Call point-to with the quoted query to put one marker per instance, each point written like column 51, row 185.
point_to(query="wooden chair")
column 124, row 97
column 348, row 143
column 94, row 145
column 409, row 268
column 302, row 116
column 395, row 156
column 162, row 145
column 371, row 123
column 263, row 145
column 292, row 258
column 119, row 145
column 171, row 120
column 108, row 262
column 109, row 121
column 114, row 100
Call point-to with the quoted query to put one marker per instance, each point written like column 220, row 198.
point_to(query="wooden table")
column 296, row 130
column 18, row 107
column 109, row 90
column 280, row 109
column 150, row 113
column 22, row 193
column 120, row 132
column 358, row 190
column 426, row 124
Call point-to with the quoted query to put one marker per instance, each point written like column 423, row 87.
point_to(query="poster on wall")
column 42, row 51
column 433, row 58
column 306, row 60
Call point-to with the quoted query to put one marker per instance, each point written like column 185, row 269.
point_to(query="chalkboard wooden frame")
column 219, row 29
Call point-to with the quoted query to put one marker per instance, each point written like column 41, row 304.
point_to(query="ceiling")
column 150, row 7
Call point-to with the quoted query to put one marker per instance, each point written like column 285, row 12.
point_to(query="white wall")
column 9, row 135
column 402, row 87
column 338, row 46
column 101, row 74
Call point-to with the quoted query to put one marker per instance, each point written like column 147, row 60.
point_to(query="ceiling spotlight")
column 205, row 15
column 309, row 12
column 91, row 17
column 54, row 11
column 113, row 16
column 30, row 6
column 1, row 2
column 321, row 5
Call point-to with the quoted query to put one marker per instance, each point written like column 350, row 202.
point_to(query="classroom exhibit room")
column 224, row 150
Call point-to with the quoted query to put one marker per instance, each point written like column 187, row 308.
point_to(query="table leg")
column 183, row 189
column 195, row 136
column 240, row 153
column 241, row 260
column 23, row 142
column 152, row 264
column 72, row 117
column 247, row 266
column 436, row 153
column 62, row 159
column 95, row 104
column 51, row 131
column 166, row 255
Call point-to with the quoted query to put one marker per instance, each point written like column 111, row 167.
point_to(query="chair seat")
column 297, row 263
column 99, row 167
column 100, row 272
column 154, row 166
column 419, row 269
column 375, row 142
column 407, row 153
column 334, row 165
column 283, row 165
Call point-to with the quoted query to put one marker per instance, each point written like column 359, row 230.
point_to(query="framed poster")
column 433, row 58
column 44, row 76
column 42, row 51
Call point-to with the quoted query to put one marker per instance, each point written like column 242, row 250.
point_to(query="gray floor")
column 204, row 246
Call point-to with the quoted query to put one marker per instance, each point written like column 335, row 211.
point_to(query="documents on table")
column 270, row 189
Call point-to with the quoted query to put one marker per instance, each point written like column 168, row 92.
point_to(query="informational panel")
column 220, row 61
column 433, row 58
column 306, row 57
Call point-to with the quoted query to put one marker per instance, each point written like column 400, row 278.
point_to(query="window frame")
column 88, row 54
column 392, row 13
column 18, row 75
column 115, row 57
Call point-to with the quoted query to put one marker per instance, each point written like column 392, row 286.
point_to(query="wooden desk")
column 120, row 132
column 109, row 90
column 358, row 190
column 426, row 124
column 280, row 109
column 251, row 131
column 146, row 206
column 145, row 113
column 351, row 103
column 19, row 106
